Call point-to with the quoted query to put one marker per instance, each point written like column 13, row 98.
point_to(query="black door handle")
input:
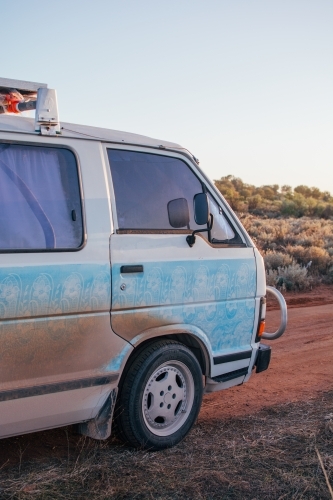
column 131, row 269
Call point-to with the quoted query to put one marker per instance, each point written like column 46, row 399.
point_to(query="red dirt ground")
column 318, row 296
column 301, row 367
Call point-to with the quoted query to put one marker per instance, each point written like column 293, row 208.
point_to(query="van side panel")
column 55, row 333
column 216, row 297
column 208, row 288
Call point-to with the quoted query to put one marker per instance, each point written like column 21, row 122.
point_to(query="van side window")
column 40, row 203
column 221, row 231
column 145, row 183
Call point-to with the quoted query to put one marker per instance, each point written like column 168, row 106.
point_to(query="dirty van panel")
column 41, row 333
column 34, row 413
column 55, row 287
column 216, row 296
column 208, row 286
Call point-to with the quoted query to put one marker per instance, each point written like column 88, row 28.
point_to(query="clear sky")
column 246, row 85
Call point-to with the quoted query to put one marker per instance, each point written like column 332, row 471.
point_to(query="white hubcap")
column 168, row 398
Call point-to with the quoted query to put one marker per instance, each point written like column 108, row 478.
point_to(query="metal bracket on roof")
column 47, row 117
column 17, row 96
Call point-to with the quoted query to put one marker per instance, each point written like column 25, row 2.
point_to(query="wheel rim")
column 168, row 398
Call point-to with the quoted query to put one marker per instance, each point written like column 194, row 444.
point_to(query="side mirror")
column 201, row 216
column 201, row 208
column 179, row 214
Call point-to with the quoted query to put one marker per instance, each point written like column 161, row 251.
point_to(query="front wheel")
column 160, row 397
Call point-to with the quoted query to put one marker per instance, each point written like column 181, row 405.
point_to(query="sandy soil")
column 301, row 368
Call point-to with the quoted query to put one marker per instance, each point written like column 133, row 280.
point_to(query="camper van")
column 128, row 287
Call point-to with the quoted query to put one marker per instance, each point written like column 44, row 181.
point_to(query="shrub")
column 317, row 257
column 287, row 241
column 293, row 277
column 271, row 277
column 330, row 275
column 274, row 260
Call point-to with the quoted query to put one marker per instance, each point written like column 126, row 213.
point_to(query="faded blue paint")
column 54, row 289
column 116, row 362
column 218, row 297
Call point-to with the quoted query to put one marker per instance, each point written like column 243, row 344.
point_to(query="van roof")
column 11, row 123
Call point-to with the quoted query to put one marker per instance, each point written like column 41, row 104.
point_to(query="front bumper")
column 263, row 358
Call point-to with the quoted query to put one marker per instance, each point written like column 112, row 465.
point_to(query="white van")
column 126, row 281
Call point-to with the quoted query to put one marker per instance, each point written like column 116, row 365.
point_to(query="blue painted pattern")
column 49, row 290
column 218, row 297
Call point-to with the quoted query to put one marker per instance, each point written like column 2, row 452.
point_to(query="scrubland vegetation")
column 275, row 201
column 292, row 228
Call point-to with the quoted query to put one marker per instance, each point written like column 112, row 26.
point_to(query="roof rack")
column 17, row 96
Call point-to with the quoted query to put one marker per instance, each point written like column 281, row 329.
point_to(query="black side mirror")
column 201, row 208
column 201, row 216
column 178, row 212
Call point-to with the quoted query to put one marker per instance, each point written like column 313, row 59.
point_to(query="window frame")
column 150, row 230
column 242, row 237
column 81, row 199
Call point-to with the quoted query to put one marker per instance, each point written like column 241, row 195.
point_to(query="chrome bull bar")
column 283, row 315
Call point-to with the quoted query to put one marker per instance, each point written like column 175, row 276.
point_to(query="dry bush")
column 272, row 277
column 318, row 257
column 274, row 260
column 293, row 277
column 305, row 241
column 330, row 274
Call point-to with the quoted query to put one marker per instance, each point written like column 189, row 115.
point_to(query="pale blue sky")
column 246, row 85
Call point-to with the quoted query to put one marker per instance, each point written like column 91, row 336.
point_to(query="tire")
column 160, row 396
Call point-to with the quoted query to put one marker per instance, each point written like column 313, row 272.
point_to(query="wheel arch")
column 197, row 342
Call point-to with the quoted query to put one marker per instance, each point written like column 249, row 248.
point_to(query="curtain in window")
column 38, row 193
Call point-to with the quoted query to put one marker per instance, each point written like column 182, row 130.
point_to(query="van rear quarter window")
column 40, row 203
column 145, row 183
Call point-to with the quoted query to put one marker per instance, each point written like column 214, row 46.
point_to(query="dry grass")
column 277, row 234
column 268, row 455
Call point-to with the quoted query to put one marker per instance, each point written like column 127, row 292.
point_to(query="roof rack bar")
column 21, row 85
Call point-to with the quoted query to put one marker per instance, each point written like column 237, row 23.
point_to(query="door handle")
column 131, row 269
